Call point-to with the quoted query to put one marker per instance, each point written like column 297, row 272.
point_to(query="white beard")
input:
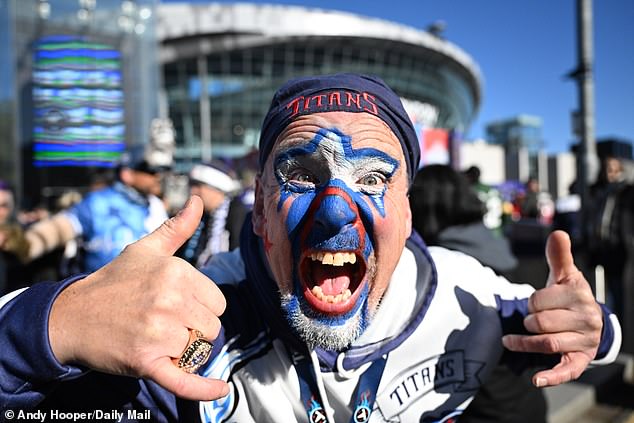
column 317, row 332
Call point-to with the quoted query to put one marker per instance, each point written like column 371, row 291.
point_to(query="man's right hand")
column 133, row 316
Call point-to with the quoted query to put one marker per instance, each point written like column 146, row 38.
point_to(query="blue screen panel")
column 78, row 103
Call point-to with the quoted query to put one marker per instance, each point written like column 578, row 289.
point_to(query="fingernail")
column 189, row 201
column 541, row 381
column 225, row 390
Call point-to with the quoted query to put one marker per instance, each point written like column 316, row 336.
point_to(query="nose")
column 334, row 212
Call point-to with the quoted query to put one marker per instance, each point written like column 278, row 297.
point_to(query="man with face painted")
column 335, row 310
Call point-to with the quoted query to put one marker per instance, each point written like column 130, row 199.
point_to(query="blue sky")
column 524, row 49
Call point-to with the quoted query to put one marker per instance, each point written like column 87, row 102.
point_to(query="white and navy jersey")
column 439, row 327
column 437, row 334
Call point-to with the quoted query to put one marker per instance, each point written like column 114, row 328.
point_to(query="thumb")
column 559, row 257
column 173, row 233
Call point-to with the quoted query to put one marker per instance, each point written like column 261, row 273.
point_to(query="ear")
column 257, row 216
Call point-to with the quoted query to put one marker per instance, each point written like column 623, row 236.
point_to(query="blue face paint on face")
column 334, row 191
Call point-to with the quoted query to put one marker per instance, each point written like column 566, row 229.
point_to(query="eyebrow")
column 369, row 159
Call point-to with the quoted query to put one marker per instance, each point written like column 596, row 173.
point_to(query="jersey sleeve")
column 80, row 216
column 511, row 301
column 512, row 312
column 28, row 368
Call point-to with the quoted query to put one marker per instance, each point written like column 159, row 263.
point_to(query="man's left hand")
column 564, row 317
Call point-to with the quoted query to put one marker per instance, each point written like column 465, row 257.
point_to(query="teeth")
column 336, row 259
column 333, row 299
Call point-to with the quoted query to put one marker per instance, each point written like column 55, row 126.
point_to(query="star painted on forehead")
column 329, row 157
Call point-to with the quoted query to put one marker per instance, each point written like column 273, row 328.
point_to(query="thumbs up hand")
column 564, row 317
column 133, row 316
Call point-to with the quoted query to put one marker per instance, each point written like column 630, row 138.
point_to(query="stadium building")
column 222, row 63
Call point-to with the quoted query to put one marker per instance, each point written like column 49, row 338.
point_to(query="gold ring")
column 196, row 354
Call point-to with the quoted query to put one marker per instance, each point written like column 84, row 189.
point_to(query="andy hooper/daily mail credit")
column 83, row 416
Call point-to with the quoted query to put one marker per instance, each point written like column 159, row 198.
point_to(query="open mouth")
column 332, row 280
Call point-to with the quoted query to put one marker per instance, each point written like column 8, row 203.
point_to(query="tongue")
column 331, row 280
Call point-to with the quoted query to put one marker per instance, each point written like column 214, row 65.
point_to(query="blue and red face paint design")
column 333, row 204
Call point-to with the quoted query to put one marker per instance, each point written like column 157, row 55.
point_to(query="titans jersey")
column 109, row 219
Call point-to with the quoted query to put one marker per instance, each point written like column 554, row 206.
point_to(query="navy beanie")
column 341, row 92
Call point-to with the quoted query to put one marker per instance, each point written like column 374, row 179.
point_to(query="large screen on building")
column 78, row 103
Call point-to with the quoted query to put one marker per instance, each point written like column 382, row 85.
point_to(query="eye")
column 372, row 180
column 302, row 176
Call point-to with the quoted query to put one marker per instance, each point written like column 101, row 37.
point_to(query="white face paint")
column 329, row 161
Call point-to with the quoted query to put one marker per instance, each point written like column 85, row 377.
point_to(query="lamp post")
column 587, row 161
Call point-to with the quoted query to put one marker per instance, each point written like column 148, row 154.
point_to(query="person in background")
column 535, row 203
column 608, row 243
column 568, row 214
column 247, row 195
column 110, row 218
column 248, row 171
column 219, row 229
column 447, row 213
column 71, row 260
column 627, row 231
column 32, row 215
column 14, row 247
column 490, row 197
column 528, row 203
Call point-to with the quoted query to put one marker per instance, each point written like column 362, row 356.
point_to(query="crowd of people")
column 344, row 283
column 88, row 231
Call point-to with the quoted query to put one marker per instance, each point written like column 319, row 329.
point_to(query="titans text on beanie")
column 341, row 92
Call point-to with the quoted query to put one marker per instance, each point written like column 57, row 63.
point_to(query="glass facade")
column 520, row 135
column 59, row 80
column 8, row 163
column 218, row 97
